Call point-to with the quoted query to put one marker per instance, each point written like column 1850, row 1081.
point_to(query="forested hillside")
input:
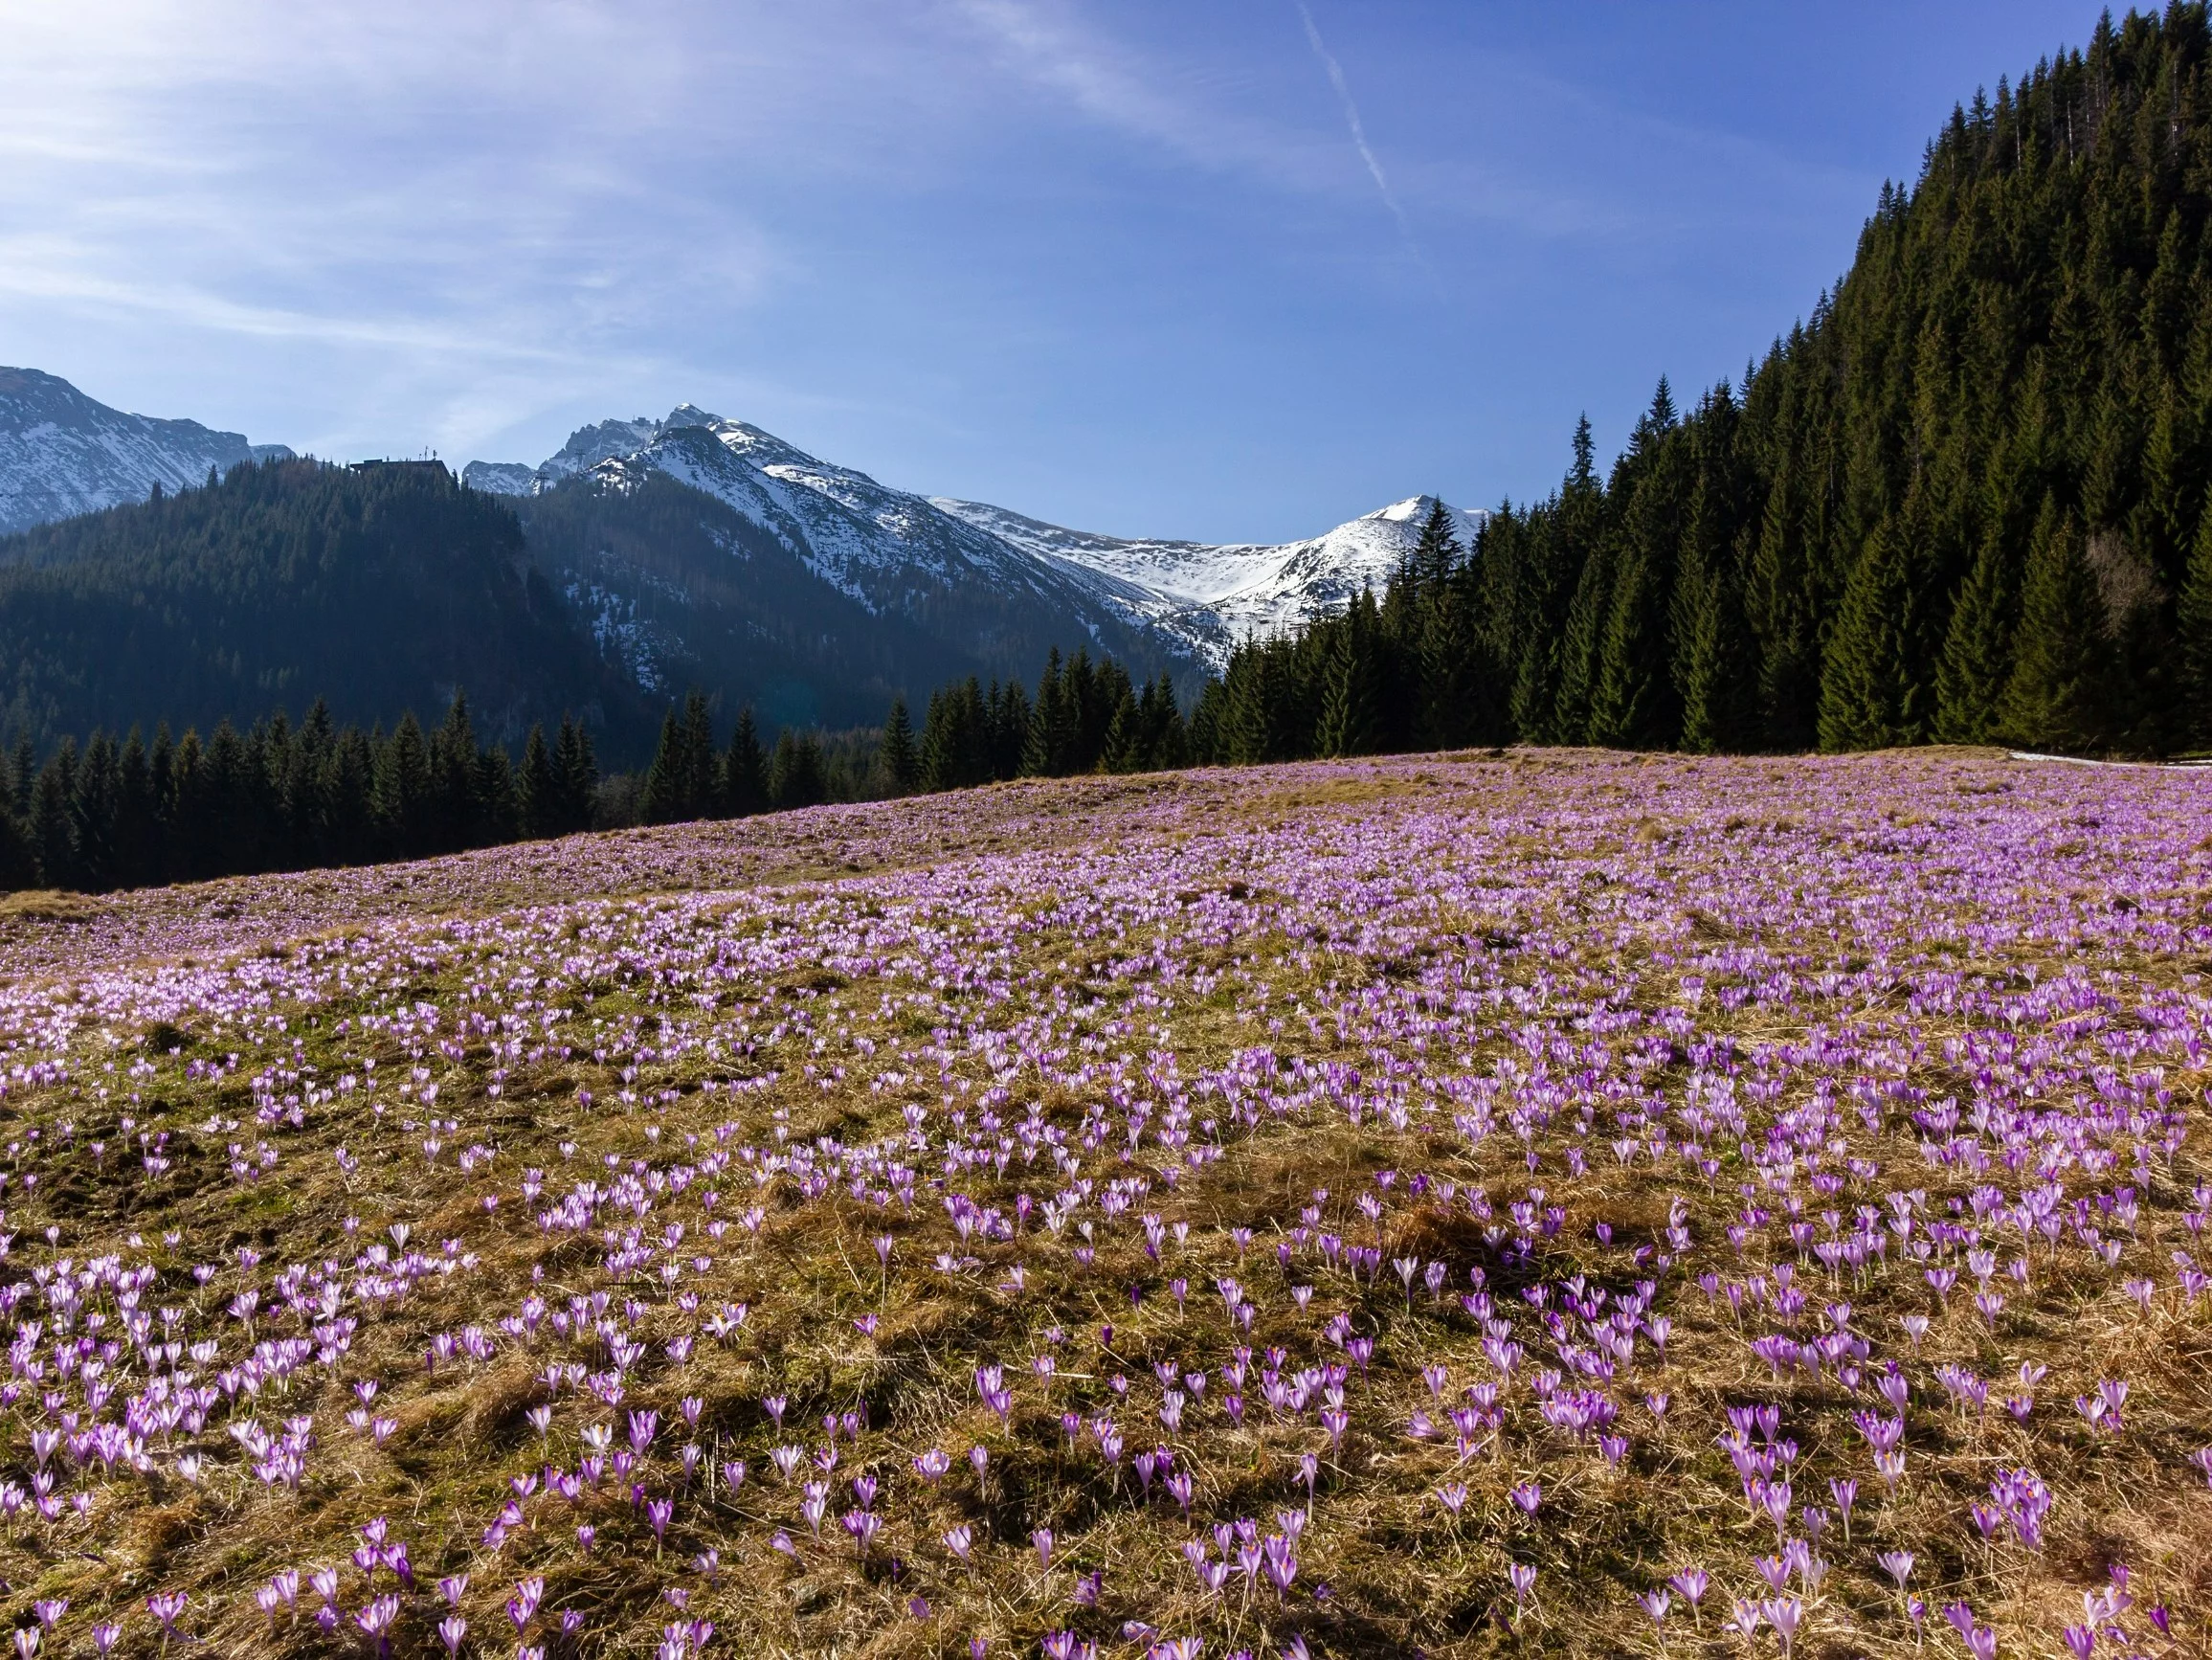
column 379, row 588
column 127, row 813
column 1964, row 501
column 679, row 588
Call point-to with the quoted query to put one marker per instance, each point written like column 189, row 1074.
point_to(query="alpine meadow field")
column 1487, row 1203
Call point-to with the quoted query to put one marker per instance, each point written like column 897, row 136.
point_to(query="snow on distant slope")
column 501, row 478
column 62, row 453
column 875, row 543
column 1176, row 570
column 1210, row 596
column 920, row 571
column 888, row 549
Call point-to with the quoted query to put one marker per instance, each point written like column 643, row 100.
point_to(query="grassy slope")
column 1055, row 953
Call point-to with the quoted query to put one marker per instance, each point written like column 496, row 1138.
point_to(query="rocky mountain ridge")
column 889, row 548
column 62, row 453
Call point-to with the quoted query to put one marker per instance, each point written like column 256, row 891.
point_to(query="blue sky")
column 1227, row 269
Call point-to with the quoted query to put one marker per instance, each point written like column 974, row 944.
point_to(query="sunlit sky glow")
column 1233, row 270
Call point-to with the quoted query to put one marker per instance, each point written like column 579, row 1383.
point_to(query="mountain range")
column 62, row 454
column 889, row 549
column 692, row 550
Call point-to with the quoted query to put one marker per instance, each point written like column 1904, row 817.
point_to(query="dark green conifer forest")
column 1963, row 502
column 285, row 581
column 278, row 796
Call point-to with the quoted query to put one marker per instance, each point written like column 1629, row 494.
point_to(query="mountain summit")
column 62, row 453
column 689, row 550
column 888, row 549
column 1209, row 596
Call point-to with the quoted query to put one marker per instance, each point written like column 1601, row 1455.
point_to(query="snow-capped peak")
column 882, row 547
column 62, row 453
column 1210, row 596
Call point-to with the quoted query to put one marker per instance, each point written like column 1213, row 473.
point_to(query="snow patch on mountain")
column 890, row 551
column 893, row 552
column 62, row 453
column 1210, row 595
column 501, row 478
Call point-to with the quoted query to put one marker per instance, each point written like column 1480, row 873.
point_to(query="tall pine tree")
column 1869, row 699
column 1977, row 662
column 745, row 770
column 2058, row 693
column 902, row 763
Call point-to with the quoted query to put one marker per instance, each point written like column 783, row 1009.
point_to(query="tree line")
column 124, row 813
column 1965, row 502
column 1083, row 717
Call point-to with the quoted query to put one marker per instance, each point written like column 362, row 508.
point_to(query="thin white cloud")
column 30, row 271
column 1352, row 118
column 360, row 227
column 399, row 206
column 1043, row 42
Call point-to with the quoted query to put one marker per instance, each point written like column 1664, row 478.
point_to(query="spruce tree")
column 1456, row 680
column 957, row 740
column 2058, row 695
column 1010, row 722
column 404, row 805
column 162, row 769
column 1088, row 714
column 1125, row 741
column 1352, row 695
column 902, row 763
column 137, row 820
column 1977, row 662
column 54, row 818
column 578, row 772
column 18, row 858
column 230, row 826
column 745, row 770
column 1782, row 608
column 701, row 787
column 1718, row 663
column 499, row 809
column 2195, row 627
column 239, row 764
column 939, row 758
column 1437, row 555
column 97, row 798
column 453, row 765
column 1260, row 716
column 1581, row 652
column 1529, row 624
column 23, row 776
column 317, row 830
column 538, row 789
column 1054, row 724
column 1206, row 740
column 797, row 776
column 1166, row 732
column 193, row 810
column 351, row 794
column 1109, row 688
column 1633, row 703
column 1869, row 697
column 1711, row 648
column 662, row 798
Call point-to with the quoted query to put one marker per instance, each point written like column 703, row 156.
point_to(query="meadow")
column 1495, row 1204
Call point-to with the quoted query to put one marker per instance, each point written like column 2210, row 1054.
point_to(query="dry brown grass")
column 1403, row 1575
